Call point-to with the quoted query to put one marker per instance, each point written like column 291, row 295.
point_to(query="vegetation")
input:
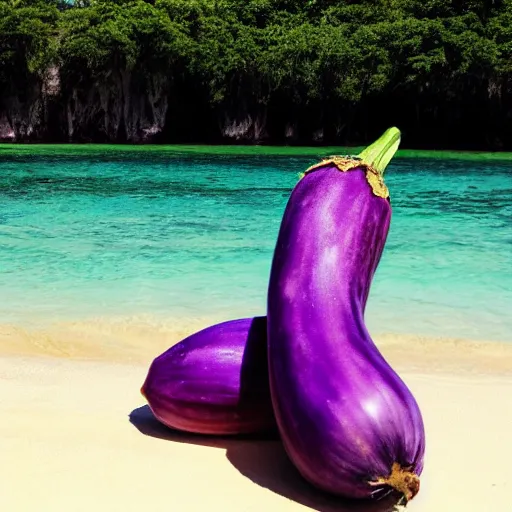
column 277, row 70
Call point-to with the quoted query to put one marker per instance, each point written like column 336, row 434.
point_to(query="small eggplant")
column 214, row 381
column 348, row 422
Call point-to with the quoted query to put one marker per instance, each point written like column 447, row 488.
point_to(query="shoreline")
column 70, row 149
column 138, row 341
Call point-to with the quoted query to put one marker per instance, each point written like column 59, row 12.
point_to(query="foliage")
column 344, row 54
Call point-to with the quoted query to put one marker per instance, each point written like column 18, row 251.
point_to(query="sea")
column 96, row 233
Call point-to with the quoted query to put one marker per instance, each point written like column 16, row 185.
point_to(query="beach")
column 108, row 256
column 78, row 436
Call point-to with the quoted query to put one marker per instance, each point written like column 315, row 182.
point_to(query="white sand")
column 67, row 442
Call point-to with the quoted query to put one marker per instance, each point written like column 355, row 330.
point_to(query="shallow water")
column 166, row 234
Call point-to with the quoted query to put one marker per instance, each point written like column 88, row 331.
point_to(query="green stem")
column 379, row 154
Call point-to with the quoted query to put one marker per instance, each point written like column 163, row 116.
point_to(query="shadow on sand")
column 263, row 460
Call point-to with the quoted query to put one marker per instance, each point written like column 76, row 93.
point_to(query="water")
column 170, row 234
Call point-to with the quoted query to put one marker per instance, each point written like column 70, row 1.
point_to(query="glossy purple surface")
column 215, row 381
column 344, row 415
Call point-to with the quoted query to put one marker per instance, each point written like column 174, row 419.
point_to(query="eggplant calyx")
column 349, row 163
column 402, row 480
column 373, row 160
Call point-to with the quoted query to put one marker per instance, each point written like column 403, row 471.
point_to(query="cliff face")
column 241, row 123
column 131, row 107
column 23, row 117
column 117, row 109
column 6, row 130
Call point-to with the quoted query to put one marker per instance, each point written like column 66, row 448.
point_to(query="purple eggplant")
column 215, row 381
column 348, row 422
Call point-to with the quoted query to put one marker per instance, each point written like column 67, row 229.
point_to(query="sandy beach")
column 77, row 436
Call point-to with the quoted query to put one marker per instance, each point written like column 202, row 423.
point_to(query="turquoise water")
column 120, row 234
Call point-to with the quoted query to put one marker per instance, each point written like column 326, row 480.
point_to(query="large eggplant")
column 348, row 422
column 214, row 381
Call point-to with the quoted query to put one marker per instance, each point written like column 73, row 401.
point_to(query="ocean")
column 100, row 233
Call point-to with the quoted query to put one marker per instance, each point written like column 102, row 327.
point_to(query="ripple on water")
column 113, row 233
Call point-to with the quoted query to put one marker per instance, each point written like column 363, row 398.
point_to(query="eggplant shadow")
column 262, row 459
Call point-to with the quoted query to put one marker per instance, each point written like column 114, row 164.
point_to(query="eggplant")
column 348, row 422
column 214, row 381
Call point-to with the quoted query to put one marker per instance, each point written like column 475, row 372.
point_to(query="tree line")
column 276, row 71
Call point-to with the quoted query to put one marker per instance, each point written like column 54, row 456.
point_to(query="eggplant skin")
column 348, row 422
column 214, row 381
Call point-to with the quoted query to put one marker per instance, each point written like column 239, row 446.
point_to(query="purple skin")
column 215, row 381
column 348, row 422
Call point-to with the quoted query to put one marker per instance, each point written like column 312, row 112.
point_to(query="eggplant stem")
column 401, row 479
column 379, row 154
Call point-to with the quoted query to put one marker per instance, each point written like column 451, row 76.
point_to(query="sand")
column 76, row 435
